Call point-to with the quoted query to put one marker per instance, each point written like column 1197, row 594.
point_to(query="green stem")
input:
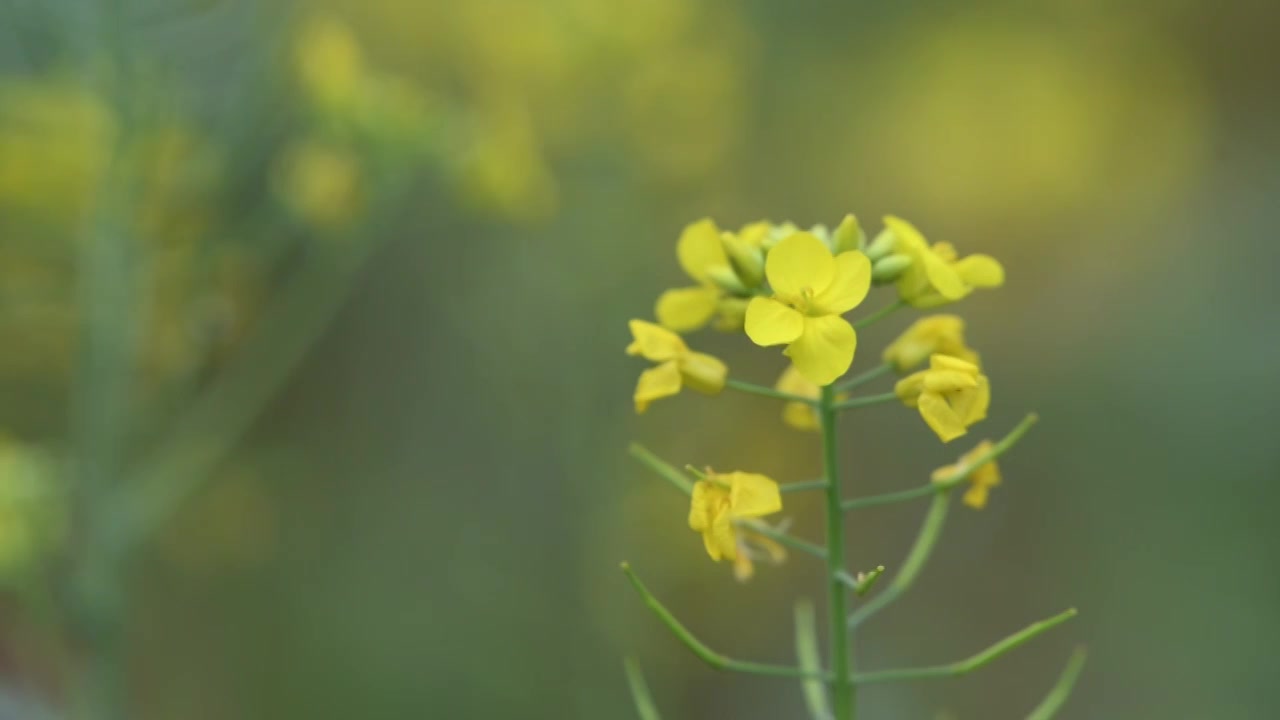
column 753, row 389
column 970, row 664
column 889, row 498
column 929, row 533
column 1061, row 690
column 858, row 402
column 842, row 689
column 706, row 654
column 790, row 541
column 859, row 380
column 807, row 653
column 880, row 314
column 1006, row 443
column 645, row 707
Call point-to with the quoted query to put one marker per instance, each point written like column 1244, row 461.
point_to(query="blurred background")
column 328, row 300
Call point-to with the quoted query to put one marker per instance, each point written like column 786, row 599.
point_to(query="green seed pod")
column 848, row 235
column 747, row 259
column 889, row 268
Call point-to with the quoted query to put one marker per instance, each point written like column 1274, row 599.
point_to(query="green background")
column 428, row 519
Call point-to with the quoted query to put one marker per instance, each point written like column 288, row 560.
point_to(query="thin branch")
column 815, row 693
column 802, row 486
column 706, row 654
column 753, row 389
column 1061, row 690
column 645, row 706
column 1006, row 443
column 790, row 541
column 866, row 400
column 864, row 378
column 880, row 314
column 889, row 498
column 968, row 665
column 930, row 530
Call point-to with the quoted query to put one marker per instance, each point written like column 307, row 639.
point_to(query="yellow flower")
column 935, row 276
column 938, row 334
column 678, row 365
column 715, row 260
column 797, row 414
column 753, row 546
column 951, row 395
column 983, row 479
column 719, row 499
column 812, row 289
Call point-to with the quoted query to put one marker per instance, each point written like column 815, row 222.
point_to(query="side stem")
column 842, row 689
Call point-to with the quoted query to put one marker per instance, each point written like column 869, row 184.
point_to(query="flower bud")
column 848, row 236
column 882, row 245
column 747, row 259
column 726, row 278
column 889, row 268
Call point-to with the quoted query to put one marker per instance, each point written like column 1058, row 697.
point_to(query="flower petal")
column 707, row 499
column 752, row 495
column 940, row 417
column 824, row 351
column 654, row 342
column 975, row 497
column 686, row 309
column 793, row 383
column 656, row 383
column 971, row 405
column 719, row 539
column 981, row 271
column 800, row 262
column 770, row 322
column 848, row 286
column 943, row 277
column 702, row 372
column 699, row 249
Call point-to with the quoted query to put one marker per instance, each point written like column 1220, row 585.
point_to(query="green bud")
column 882, row 245
column 889, row 268
column 726, row 278
column 848, row 236
column 747, row 260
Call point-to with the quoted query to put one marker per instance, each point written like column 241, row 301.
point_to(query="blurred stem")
column 706, row 654
column 880, row 314
column 889, row 498
column 790, row 541
column 763, row 391
column 842, row 690
column 970, row 664
column 1061, row 690
column 815, row 695
column 864, row 401
column 646, row 709
column 859, row 380
column 916, row 559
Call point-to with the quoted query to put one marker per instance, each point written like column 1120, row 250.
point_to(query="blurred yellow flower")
column 982, row 479
column 951, row 395
column 330, row 63
column 938, row 334
column 935, row 276
column 812, row 289
column 797, row 414
column 719, row 499
column 717, row 261
column 678, row 365
column 321, row 183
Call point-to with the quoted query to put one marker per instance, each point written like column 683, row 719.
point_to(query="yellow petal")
column 654, row 342
column 848, row 286
column 824, row 351
column 947, row 362
column 699, row 250
column 752, row 495
column 801, row 416
column 800, row 262
column 743, row 567
column 975, row 497
column 707, row 500
column 770, row 322
column 938, row 333
column 656, row 383
column 908, row 389
column 971, row 405
column 702, row 372
column 981, row 271
column 793, row 383
column 943, row 277
column 945, row 381
column 907, row 239
column 719, row 539
column 940, row 417
column 687, row 309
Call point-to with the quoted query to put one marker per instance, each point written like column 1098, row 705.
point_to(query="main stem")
column 842, row 689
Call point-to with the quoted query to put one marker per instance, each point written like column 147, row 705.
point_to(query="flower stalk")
column 843, row 692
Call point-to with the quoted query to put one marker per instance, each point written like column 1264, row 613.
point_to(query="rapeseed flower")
column 981, row 480
column 938, row 334
column 951, row 395
column 812, row 289
column 936, row 275
column 677, row 367
column 719, row 262
column 719, row 499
